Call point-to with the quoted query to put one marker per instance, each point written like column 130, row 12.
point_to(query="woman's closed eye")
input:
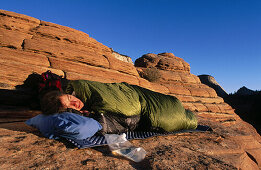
column 69, row 97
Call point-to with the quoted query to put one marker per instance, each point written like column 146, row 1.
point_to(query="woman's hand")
column 85, row 112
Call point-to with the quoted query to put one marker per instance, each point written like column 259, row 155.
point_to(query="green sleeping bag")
column 155, row 109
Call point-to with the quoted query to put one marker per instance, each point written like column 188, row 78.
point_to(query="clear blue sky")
column 221, row 38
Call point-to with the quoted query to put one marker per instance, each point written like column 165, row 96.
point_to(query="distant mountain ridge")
column 245, row 91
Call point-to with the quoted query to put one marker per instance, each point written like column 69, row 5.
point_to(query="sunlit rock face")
column 29, row 45
column 163, row 61
column 211, row 82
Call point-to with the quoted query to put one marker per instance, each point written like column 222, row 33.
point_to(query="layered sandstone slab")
column 29, row 46
column 177, row 80
column 211, row 82
column 39, row 43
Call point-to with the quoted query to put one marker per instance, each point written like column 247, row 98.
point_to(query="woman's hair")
column 51, row 103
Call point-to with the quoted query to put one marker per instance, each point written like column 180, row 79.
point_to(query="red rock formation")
column 211, row 82
column 43, row 45
column 29, row 45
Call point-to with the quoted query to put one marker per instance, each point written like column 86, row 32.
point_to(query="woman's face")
column 70, row 101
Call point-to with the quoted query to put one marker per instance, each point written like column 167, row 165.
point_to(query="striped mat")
column 99, row 140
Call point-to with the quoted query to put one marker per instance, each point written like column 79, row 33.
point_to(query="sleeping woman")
column 120, row 107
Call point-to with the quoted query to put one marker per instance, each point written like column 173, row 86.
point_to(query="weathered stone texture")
column 28, row 45
column 66, row 51
column 47, row 40
column 16, row 72
column 12, row 39
column 122, row 57
column 24, row 57
column 163, row 61
column 13, row 21
column 211, row 82
column 84, row 69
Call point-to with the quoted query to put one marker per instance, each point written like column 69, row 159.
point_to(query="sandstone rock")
column 163, row 61
column 190, row 106
column 28, row 45
column 211, row 82
column 211, row 92
column 188, row 78
column 145, row 83
column 69, row 35
column 16, row 72
column 17, row 22
column 176, row 151
column 66, row 51
column 209, row 100
column 160, row 88
column 185, row 98
column 91, row 70
column 12, row 39
column 77, row 76
column 199, row 92
column 59, row 32
column 178, row 89
column 121, row 66
column 170, row 76
column 122, row 57
column 16, row 113
column 213, row 108
column 24, row 57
